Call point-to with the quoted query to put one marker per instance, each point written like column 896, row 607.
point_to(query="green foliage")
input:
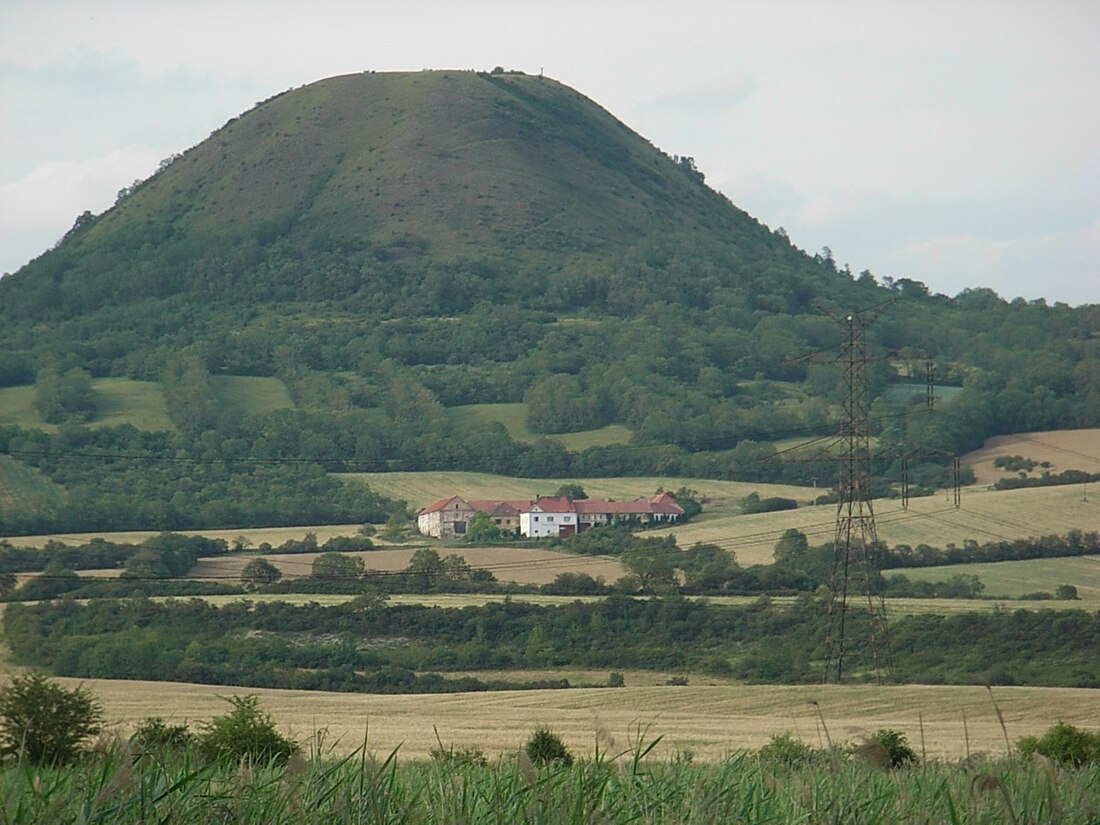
column 45, row 723
column 690, row 501
column 481, row 529
column 246, row 732
column 259, row 572
column 752, row 503
column 1066, row 592
column 544, row 747
column 616, row 679
column 786, row 750
column 1064, row 743
column 336, row 566
column 896, row 746
column 571, row 490
column 61, row 397
column 154, row 735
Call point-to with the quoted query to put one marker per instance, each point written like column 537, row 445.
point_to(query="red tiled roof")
column 555, row 504
column 501, row 509
column 664, row 503
column 436, row 506
column 621, row 507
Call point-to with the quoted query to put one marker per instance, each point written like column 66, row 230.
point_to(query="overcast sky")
column 956, row 143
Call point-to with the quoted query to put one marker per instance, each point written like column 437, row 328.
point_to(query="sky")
column 955, row 143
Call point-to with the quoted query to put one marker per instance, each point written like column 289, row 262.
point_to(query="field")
column 985, row 515
column 255, row 535
column 1012, row 579
column 527, row 566
column 420, row 489
column 1064, row 449
column 24, row 488
column 250, row 395
column 707, row 720
column 514, row 419
column 119, row 401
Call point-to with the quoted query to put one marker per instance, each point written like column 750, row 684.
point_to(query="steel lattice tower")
column 855, row 537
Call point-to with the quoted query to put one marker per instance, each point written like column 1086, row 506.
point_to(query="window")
column 460, row 528
column 549, row 518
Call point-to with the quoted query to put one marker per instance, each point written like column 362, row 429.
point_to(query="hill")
column 472, row 271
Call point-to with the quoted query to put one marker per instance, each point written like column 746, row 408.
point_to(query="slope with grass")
column 514, row 419
column 118, row 401
column 1012, row 579
column 24, row 488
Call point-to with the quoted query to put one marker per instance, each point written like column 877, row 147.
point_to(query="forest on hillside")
column 598, row 282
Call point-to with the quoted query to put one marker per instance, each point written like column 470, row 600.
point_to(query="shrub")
column 44, row 722
column 246, row 732
column 154, row 734
column 616, row 679
column 1063, row 743
column 546, row 748
column 786, row 750
column 896, row 746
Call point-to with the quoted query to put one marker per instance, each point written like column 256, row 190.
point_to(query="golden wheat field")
column 709, row 721
column 1064, row 449
column 254, row 535
column 420, row 489
column 523, row 565
column 985, row 515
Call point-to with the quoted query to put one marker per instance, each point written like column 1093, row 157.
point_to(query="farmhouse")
column 446, row 517
column 544, row 516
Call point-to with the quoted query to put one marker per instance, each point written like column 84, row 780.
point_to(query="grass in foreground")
column 116, row 787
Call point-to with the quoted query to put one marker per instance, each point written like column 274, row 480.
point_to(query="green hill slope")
column 435, row 270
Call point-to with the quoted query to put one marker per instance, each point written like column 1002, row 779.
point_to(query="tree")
column 572, row 490
column 425, row 568
column 259, row 572
column 547, row 748
column 64, row 397
column 44, row 722
column 336, row 566
column 246, row 732
column 653, row 564
column 690, row 502
column 481, row 528
column 1066, row 592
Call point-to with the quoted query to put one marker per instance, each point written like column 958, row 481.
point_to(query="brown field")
column 707, row 720
column 526, row 566
column 1064, row 449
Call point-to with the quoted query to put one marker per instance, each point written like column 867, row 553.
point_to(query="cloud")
column 37, row 209
column 1058, row 266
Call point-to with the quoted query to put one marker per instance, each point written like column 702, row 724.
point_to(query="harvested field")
column 420, row 489
column 255, row 535
column 985, row 515
column 1064, row 449
column 707, row 720
column 507, row 563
